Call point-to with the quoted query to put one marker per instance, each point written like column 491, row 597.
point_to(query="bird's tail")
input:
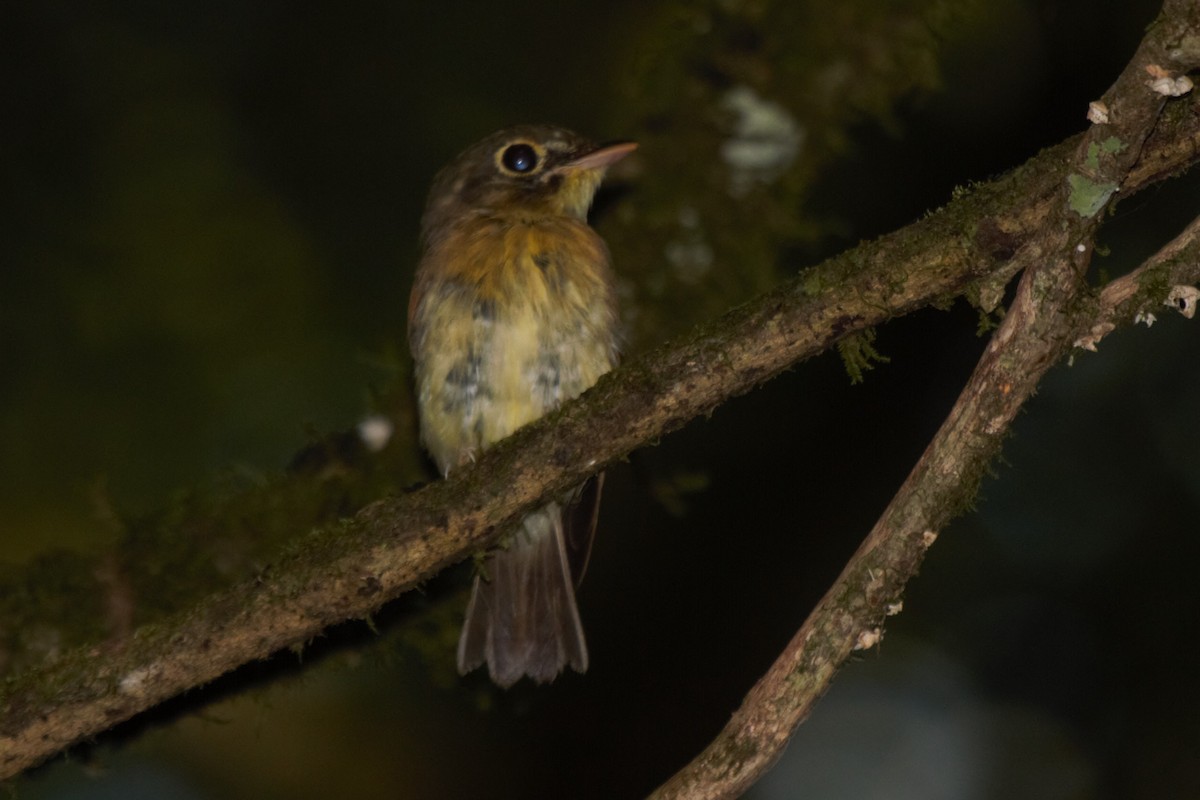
column 521, row 618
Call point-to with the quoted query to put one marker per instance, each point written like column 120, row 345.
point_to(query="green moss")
column 859, row 354
column 812, row 283
column 988, row 321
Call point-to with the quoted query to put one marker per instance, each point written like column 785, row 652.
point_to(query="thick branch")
column 348, row 570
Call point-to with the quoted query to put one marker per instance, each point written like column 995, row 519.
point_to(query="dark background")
column 209, row 228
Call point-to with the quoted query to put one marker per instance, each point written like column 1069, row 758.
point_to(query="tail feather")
column 522, row 618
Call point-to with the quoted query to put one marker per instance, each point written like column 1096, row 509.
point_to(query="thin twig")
column 1130, row 297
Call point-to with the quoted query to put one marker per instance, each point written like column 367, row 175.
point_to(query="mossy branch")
column 1052, row 313
column 347, row 570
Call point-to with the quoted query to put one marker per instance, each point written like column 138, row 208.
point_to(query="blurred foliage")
column 744, row 104
column 164, row 312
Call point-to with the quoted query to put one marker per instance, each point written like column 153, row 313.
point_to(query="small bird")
column 513, row 312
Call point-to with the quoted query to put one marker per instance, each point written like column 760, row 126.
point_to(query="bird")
column 513, row 312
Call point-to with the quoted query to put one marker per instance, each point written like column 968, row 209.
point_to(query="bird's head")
column 527, row 171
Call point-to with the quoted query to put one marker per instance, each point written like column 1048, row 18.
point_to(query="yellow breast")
column 509, row 319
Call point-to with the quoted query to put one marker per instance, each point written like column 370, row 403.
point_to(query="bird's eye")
column 520, row 158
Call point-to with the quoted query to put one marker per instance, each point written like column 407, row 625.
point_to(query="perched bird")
column 513, row 312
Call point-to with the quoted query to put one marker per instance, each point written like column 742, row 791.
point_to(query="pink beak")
column 602, row 157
